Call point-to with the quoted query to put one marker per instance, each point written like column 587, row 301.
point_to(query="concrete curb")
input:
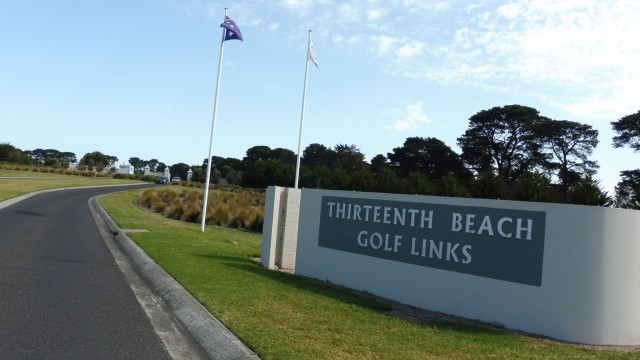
column 216, row 340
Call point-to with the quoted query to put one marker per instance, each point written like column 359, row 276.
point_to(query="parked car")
column 162, row 180
column 175, row 179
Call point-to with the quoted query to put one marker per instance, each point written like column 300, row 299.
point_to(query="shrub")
column 243, row 210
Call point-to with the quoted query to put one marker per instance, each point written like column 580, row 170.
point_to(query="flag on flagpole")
column 232, row 32
column 312, row 54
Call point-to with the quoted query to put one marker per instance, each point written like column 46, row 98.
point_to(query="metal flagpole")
column 213, row 130
column 304, row 100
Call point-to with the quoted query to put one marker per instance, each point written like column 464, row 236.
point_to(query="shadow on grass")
column 302, row 283
column 440, row 322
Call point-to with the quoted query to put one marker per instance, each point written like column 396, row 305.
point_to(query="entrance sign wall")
column 565, row 271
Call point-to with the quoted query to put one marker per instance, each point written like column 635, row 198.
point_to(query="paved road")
column 62, row 295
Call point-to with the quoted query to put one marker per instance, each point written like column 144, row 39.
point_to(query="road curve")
column 62, row 295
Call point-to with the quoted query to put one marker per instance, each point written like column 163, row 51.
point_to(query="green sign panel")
column 501, row 244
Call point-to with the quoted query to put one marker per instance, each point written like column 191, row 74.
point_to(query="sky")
column 138, row 78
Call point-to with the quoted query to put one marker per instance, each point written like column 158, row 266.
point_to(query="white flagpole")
column 213, row 130
column 304, row 100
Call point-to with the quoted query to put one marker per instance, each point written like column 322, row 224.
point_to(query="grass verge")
column 10, row 188
column 282, row 316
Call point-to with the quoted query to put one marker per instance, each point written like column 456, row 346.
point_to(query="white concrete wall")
column 290, row 231
column 590, row 289
column 280, row 229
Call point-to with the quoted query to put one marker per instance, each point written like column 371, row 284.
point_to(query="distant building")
column 125, row 169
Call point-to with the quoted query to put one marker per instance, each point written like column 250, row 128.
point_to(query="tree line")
column 510, row 152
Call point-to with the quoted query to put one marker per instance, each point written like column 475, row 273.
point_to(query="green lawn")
column 282, row 316
column 10, row 188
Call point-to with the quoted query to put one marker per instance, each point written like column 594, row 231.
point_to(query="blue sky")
column 137, row 78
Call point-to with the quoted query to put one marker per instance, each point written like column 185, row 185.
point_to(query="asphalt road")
column 62, row 295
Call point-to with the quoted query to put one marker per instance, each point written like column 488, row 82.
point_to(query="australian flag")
column 231, row 30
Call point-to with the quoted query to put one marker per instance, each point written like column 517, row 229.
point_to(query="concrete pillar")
column 280, row 229
column 189, row 175
column 147, row 170
column 166, row 173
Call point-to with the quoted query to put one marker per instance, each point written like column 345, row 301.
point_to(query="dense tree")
column 137, row 163
column 179, row 169
column 569, row 144
column 215, row 161
column 285, row 155
column 52, row 157
column 450, row 185
column 6, row 149
column 315, row 177
column 197, row 174
column 589, row 192
column 255, row 154
column 378, row 163
column 316, row 155
column 233, row 176
column 628, row 190
column 153, row 164
column 233, row 163
column 428, row 156
column 263, row 173
column 96, row 161
column 533, row 186
column 417, row 183
column 362, row 180
column 502, row 138
column 628, row 130
column 387, row 181
column 349, row 158
column 12, row 154
column 489, row 185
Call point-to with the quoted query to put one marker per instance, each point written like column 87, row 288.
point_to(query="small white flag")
column 312, row 54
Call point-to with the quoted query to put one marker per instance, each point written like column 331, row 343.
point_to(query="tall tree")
column 71, row 157
column 628, row 190
column 318, row 154
column 570, row 145
column 137, row 163
column 255, row 154
column 628, row 130
column 502, row 138
column 349, row 158
column 378, row 163
column 428, row 156
column 153, row 164
column 285, row 155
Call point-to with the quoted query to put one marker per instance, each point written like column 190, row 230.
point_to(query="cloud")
column 375, row 14
column 273, row 26
column 409, row 118
column 568, row 53
column 578, row 55
column 411, row 49
column 383, row 45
